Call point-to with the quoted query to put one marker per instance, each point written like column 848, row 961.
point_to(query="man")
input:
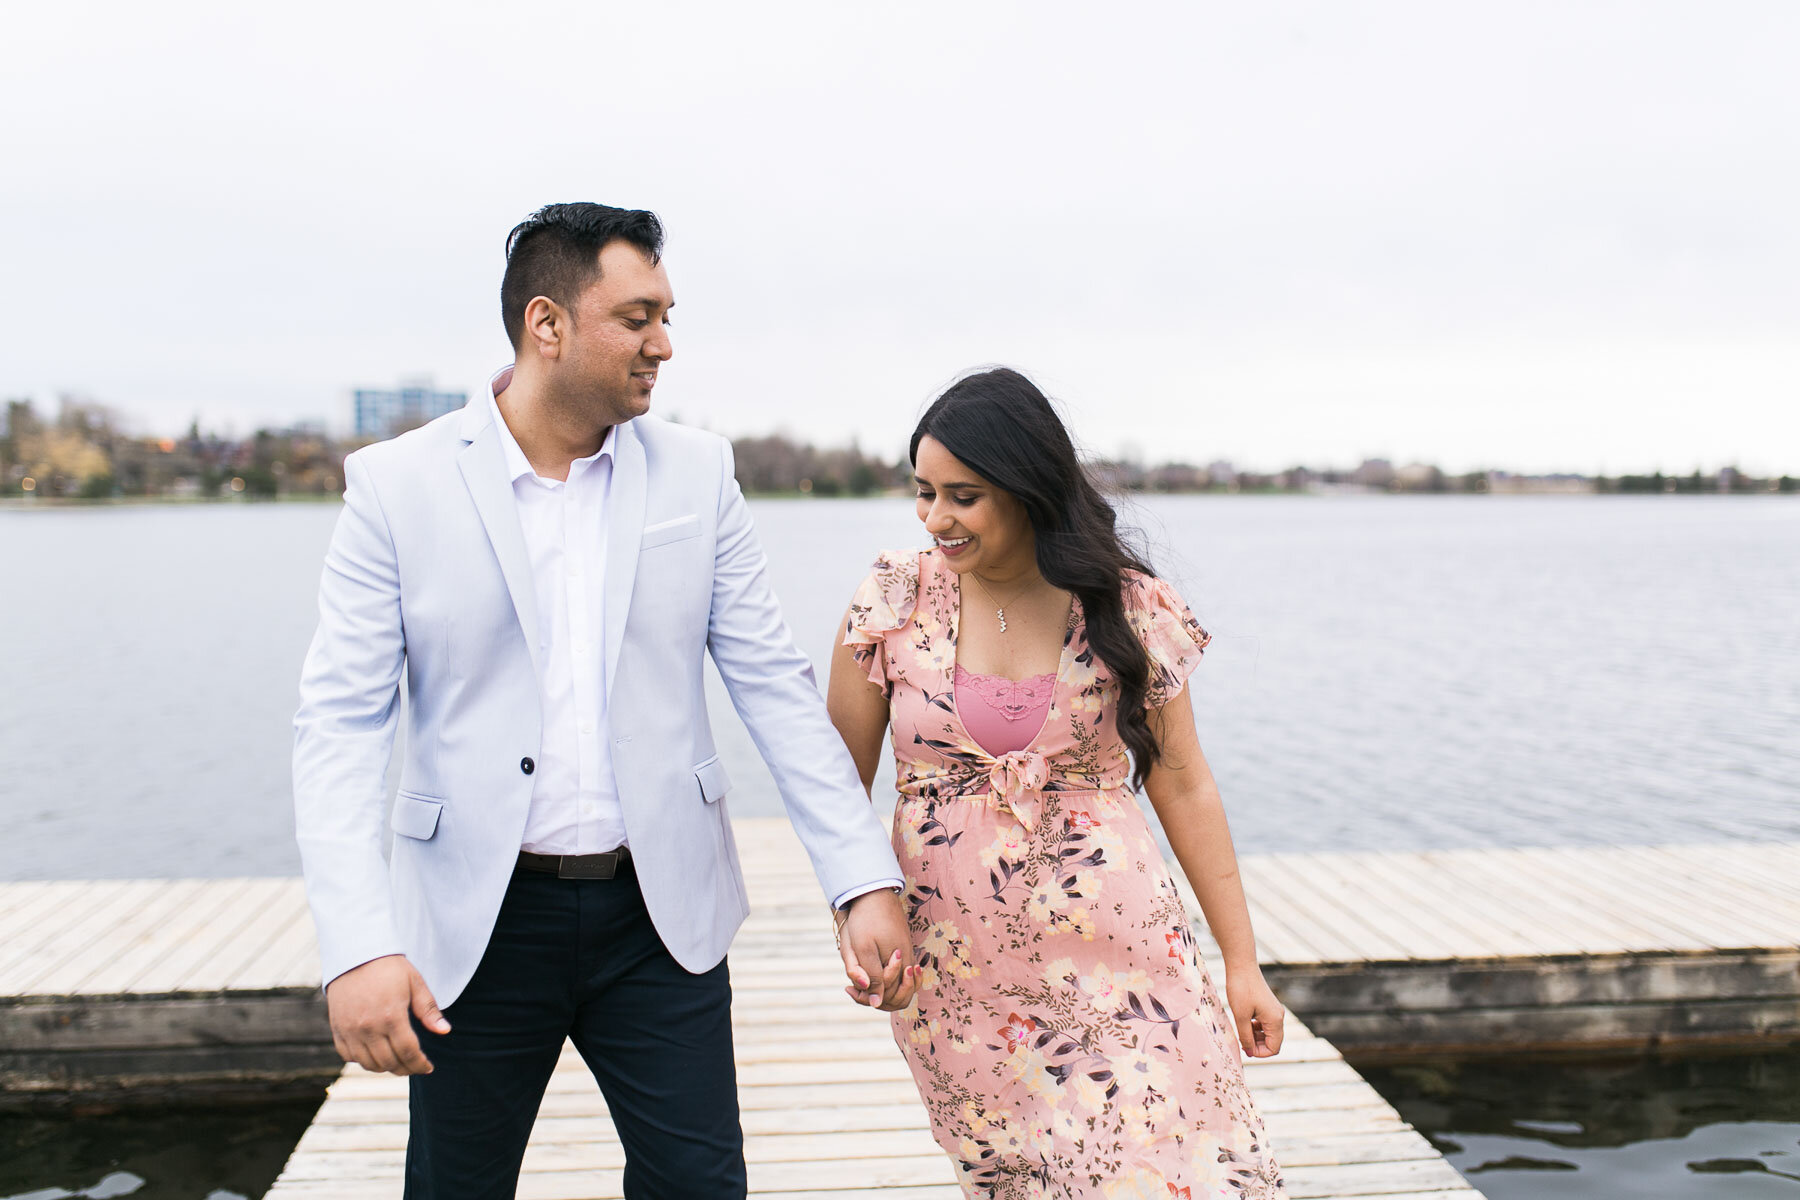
column 548, row 566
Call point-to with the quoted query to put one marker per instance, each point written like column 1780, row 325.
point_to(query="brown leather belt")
column 576, row 866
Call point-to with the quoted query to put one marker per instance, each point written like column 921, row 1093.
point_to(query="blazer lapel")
column 484, row 471
column 624, row 530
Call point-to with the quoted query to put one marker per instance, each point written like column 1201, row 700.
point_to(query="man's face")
column 619, row 338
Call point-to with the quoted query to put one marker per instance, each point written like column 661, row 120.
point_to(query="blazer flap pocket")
column 416, row 816
column 713, row 781
column 670, row 531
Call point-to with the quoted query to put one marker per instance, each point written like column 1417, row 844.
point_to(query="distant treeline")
column 82, row 453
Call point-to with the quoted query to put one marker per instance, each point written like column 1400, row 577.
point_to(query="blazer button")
column 527, row 766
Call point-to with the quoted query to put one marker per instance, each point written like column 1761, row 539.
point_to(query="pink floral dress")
column 1066, row 1038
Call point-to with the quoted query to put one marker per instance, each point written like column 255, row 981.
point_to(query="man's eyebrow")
column 644, row 302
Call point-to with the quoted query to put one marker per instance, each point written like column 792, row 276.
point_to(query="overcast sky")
column 1537, row 235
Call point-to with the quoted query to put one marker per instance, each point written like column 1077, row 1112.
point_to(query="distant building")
column 1377, row 473
column 381, row 413
column 1504, row 483
column 1419, row 477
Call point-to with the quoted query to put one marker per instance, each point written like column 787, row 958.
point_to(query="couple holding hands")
column 547, row 568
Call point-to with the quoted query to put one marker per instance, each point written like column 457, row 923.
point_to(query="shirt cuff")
column 895, row 884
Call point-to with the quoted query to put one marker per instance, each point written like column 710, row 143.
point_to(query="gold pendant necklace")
column 999, row 608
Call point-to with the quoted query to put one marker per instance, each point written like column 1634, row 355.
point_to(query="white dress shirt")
column 575, row 805
column 574, row 802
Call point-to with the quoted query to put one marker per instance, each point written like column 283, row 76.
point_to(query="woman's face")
column 979, row 527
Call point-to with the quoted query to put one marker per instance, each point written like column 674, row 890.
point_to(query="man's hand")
column 368, row 1006
column 877, row 948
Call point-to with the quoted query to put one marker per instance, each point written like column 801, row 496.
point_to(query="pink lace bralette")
column 1002, row 714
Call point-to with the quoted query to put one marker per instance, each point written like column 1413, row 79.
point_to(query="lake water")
column 1386, row 672
column 1714, row 1128
column 166, row 1154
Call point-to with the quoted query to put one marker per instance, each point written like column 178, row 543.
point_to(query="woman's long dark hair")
column 1002, row 427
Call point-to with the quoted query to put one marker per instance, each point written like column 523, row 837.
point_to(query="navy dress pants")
column 579, row 959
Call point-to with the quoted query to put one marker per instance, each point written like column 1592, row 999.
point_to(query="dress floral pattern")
column 1066, row 1038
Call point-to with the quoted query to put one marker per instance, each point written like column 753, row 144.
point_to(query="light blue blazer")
column 427, row 585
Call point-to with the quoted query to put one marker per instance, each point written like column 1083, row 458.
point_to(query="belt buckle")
column 587, row 866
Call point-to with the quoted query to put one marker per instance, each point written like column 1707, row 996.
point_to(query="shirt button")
column 527, row 766
column 587, row 730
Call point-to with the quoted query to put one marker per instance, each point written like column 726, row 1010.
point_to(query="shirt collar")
column 517, row 465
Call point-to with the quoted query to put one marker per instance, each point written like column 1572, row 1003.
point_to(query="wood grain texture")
column 1544, row 947
column 829, row 1108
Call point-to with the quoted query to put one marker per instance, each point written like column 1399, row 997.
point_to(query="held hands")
column 369, row 1005
column 1258, row 1014
column 874, row 942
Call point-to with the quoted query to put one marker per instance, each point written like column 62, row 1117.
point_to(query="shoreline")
column 29, row 504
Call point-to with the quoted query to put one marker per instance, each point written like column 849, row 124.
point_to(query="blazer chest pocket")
column 713, row 781
column 416, row 816
column 664, row 532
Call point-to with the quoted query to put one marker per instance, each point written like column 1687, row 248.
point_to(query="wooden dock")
column 123, row 984
column 1536, row 950
column 830, row 1111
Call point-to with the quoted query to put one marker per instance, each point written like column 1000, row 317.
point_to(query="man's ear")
column 546, row 326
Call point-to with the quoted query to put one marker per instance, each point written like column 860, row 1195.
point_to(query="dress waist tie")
column 1016, row 781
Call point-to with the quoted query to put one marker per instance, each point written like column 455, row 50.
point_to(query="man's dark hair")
column 555, row 252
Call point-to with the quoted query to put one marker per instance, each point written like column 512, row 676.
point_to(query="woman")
column 1065, row 1036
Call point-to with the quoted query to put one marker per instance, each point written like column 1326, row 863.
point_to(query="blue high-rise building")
column 381, row 413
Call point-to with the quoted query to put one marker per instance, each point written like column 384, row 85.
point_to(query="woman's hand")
column 1258, row 1014
column 892, row 989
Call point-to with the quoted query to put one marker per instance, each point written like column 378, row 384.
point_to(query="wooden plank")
column 199, row 942
column 1639, row 927
column 1595, row 909
column 1771, row 911
column 98, row 925
column 1264, row 891
column 1274, row 940
column 1430, row 886
column 19, row 894
column 1739, row 910
column 122, row 972
column 1627, row 1027
column 29, row 903
column 1620, row 928
column 1768, row 866
column 1307, row 892
column 1371, row 1178
column 282, row 903
column 828, row 1104
column 142, row 922
column 1419, row 930
column 1552, row 924
column 1621, row 980
column 391, row 1135
column 278, row 964
column 1692, row 908
column 87, row 1024
column 48, row 927
column 1680, row 927
column 846, row 1150
column 1282, row 876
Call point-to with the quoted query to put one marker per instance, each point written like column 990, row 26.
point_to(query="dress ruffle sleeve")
column 1169, row 632
column 883, row 604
